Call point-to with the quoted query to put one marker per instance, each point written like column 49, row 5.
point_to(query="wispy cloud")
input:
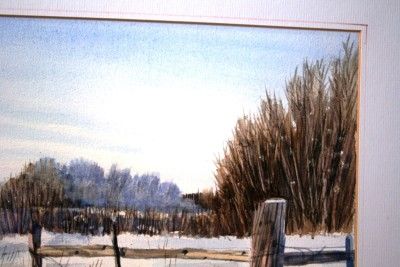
column 61, row 151
column 88, row 136
column 158, row 97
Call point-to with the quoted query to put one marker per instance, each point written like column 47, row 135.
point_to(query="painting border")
column 66, row 11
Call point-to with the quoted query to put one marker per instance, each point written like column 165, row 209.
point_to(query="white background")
column 379, row 172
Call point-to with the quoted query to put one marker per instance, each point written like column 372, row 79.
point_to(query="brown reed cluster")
column 35, row 186
column 302, row 149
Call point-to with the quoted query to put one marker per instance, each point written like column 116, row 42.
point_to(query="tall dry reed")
column 303, row 150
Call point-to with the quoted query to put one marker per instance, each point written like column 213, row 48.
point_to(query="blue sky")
column 152, row 97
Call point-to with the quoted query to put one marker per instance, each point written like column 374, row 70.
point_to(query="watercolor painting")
column 138, row 143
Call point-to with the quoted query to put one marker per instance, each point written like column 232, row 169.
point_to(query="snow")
column 14, row 250
column 319, row 242
column 110, row 261
column 128, row 240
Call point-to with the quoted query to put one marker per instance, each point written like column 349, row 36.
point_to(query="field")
column 269, row 144
column 14, row 248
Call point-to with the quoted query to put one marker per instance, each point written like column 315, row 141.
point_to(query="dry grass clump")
column 36, row 186
column 304, row 151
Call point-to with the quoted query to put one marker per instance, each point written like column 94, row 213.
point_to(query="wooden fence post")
column 115, row 232
column 34, row 242
column 349, row 251
column 268, row 234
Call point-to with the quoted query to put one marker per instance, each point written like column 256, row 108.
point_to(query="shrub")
column 303, row 150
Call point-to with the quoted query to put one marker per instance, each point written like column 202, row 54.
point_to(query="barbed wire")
column 306, row 252
column 207, row 248
column 306, row 257
column 302, row 249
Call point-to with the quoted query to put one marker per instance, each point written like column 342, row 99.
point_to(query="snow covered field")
column 128, row 240
column 14, row 250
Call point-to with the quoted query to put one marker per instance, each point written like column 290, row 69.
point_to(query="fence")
column 268, row 240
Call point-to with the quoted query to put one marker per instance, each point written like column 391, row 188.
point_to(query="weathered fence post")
column 34, row 242
column 349, row 251
column 268, row 234
column 115, row 232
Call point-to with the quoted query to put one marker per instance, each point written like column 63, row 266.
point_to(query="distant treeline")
column 302, row 149
column 83, row 183
column 205, row 200
column 98, row 221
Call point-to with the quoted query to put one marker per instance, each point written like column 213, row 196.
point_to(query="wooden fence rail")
column 268, row 243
